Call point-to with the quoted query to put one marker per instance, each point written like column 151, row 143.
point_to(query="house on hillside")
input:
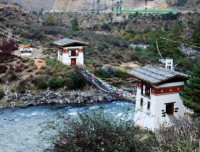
column 26, row 50
column 157, row 98
column 71, row 52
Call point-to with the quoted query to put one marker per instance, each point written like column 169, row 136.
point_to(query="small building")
column 26, row 50
column 71, row 52
column 157, row 98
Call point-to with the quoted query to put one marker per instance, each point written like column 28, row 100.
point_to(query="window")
column 73, row 52
column 146, row 89
column 169, row 67
column 170, row 108
column 148, row 105
column 141, row 102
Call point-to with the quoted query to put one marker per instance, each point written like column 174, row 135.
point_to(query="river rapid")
column 20, row 129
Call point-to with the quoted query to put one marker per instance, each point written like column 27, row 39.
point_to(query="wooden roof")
column 69, row 42
column 157, row 75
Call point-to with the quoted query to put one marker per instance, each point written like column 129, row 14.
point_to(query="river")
column 20, row 128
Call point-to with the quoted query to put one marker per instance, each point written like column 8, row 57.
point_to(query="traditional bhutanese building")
column 26, row 50
column 157, row 98
column 71, row 52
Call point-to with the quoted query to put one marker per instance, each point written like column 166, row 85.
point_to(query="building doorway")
column 73, row 61
column 170, row 108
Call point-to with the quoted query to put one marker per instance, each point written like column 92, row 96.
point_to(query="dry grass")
column 184, row 136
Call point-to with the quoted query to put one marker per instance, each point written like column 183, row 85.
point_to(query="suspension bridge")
column 117, row 93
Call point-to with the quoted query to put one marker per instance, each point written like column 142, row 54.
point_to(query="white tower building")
column 70, row 52
column 158, row 99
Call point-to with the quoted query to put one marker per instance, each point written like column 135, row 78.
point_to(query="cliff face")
column 79, row 5
column 104, row 5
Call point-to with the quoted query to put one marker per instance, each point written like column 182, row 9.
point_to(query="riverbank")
column 25, row 129
column 55, row 97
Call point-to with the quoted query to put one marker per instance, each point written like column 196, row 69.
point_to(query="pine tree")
column 75, row 24
column 191, row 94
column 196, row 35
column 168, row 48
column 51, row 20
column 174, row 47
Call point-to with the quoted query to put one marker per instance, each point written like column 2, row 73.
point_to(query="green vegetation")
column 74, row 81
column 75, row 24
column 56, row 82
column 102, row 73
column 144, row 55
column 191, row 93
column 116, row 73
column 96, row 132
column 1, row 94
column 21, row 88
column 50, row 20
column 42, row 84
column 167, row 49
column 182, row 137
column 196, row 35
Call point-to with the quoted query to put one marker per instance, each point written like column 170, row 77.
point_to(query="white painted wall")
column 80, row 59
column 173, row 84
column 66, row 59
column 26, row 53
column 59, row 56
column 152, row 119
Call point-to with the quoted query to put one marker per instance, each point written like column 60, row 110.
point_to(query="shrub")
column 95, row 132
column 74, row 81
column 120, row 74
column 56, row 82
column 42, row 84
column 1, row 94
column 183, row 136
column 106, row 27
column 21, row 88
column 117, row 55
column 102, row 73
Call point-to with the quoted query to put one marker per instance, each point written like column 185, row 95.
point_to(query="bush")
column 102, row 73
column 120, row 74
column 1, row 94
column 184, row 136
column 56, row 82
column 97, row 133
column 74, row 81
column 42, row 84
column 117, row 55
column 21, row 88
column 106, row 27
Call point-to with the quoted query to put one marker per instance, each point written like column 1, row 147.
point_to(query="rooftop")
column 68, row 42
column 156, row 75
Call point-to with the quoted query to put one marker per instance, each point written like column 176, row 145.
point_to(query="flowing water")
column 20, row 128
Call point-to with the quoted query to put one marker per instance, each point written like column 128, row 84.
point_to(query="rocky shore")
column 56, row 97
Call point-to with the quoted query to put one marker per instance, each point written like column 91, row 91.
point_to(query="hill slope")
column 78, row 5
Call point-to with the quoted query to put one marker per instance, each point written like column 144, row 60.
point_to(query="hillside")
column 109, row 35
column 77, row 5
column 88, row 5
